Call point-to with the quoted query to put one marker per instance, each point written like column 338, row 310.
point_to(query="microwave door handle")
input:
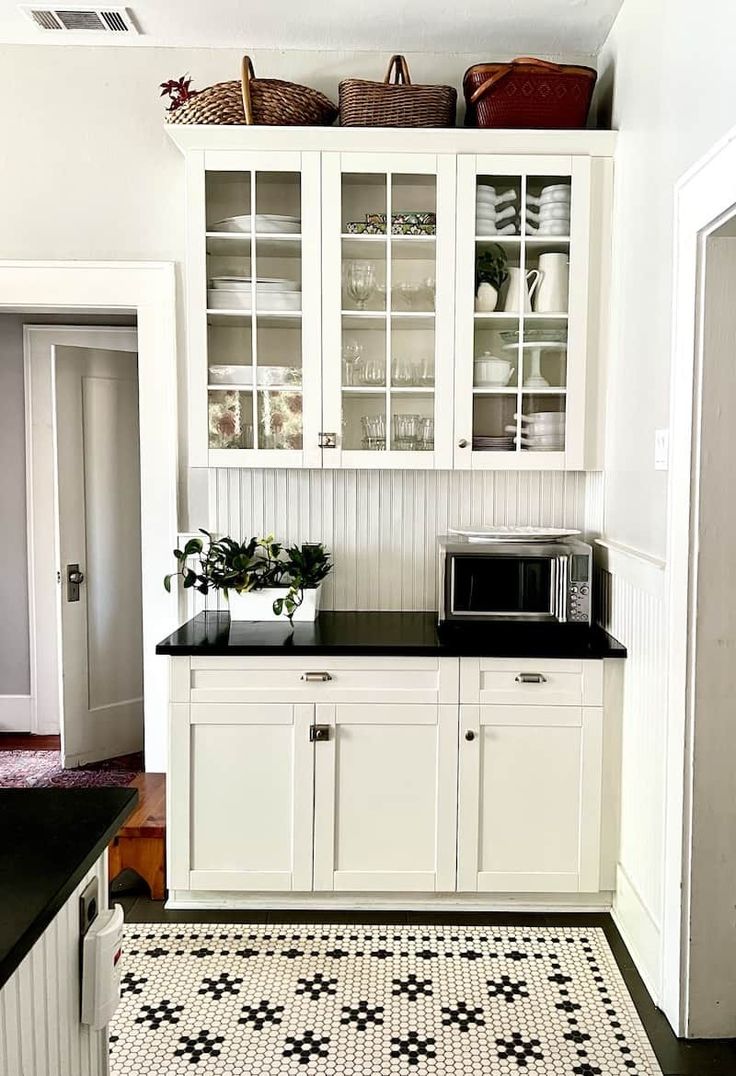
column 562, row 590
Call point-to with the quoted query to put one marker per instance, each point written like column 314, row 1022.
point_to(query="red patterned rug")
column 42, row 769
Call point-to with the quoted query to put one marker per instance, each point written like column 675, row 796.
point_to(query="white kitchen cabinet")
column 529, row 798
column 388, row 775
column 371, row 362
column 385, row 798
column 242, row 790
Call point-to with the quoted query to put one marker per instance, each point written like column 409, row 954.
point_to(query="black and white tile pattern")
column 374, row 1001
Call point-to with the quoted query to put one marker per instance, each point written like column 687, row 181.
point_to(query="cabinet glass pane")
column 522, row 250
column 389, row 261
column 254, row 307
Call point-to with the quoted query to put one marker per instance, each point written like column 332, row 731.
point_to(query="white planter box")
column 258, row 604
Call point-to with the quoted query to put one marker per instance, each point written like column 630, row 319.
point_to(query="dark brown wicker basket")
column 528, row 93
column 396, row 102
column 257, row 101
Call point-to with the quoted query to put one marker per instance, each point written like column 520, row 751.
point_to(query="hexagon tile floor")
column 374, row 1001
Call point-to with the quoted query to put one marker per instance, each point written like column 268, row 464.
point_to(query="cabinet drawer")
column 531, row 682
column 330, row 679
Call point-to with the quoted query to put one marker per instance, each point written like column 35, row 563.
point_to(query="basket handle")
column 505, row 71
column 398, row 71
column 246, row 74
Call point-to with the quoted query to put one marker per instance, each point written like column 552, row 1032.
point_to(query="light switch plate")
column 661, row 450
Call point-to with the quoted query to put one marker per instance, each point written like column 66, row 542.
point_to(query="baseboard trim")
column 640, row 932
column 641, row 569
column 187, row 900
column 15, row 713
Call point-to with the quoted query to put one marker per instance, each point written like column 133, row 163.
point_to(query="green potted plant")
column 491, row 273
column 260, row 578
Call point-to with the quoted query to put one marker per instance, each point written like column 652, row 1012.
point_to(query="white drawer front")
column 531, row 682
column 315, row 680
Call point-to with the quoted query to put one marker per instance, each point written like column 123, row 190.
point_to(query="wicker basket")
column 396, row 102
column 528, row 93
column 256, row 102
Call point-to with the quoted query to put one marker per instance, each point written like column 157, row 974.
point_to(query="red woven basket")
column 528, row 93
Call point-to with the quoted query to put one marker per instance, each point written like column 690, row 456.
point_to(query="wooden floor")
column 23, row 741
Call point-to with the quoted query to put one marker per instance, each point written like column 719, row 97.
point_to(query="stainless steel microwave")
column 515, row 581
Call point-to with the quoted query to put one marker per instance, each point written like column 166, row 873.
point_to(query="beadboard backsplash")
column 382, row 526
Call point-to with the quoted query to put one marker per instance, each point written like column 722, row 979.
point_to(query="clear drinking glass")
column 374, row 432
column 360, row 282
column 373, row 372
column 352, row 353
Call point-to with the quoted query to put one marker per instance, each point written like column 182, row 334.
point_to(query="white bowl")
column 553, row 211
column 492, row 371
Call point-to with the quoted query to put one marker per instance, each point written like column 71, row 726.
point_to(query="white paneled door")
column 99, row 551
column 529, row 798
column 385, row 797
column 251, row 792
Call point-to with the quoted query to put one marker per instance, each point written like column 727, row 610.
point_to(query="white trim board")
column 183, row 899
column 148, row 290
column 15, row 713
column 705, row 196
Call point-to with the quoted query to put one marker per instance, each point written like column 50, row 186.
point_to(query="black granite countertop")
column 389, row 634
column 49, row 838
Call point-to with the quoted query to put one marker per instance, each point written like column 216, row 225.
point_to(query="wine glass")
column 360, row 282
column 352, row 352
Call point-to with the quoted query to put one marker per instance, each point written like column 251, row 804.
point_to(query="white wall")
column 667, row 84
column 674, row 86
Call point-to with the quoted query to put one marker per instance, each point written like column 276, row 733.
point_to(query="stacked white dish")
column 236, row 293
column 482, row 443
column 494, row 215
column 265, row 223
column 542, row 431
column 549, row 214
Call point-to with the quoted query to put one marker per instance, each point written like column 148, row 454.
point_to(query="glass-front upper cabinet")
column 521, row 312
column 388, row 249
column 254, row 310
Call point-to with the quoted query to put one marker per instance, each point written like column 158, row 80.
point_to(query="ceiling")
column 489, row 29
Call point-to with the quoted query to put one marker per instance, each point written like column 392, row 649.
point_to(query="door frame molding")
column 147, row 290
column 42, row 507
column 704, row 198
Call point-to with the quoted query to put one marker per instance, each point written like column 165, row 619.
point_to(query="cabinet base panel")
column 187, row 900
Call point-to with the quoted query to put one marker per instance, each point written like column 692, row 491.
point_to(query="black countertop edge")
column 49, row 839
column 389, row 634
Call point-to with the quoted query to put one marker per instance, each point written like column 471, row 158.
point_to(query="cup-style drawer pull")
column 316, row 677
column 530, row 678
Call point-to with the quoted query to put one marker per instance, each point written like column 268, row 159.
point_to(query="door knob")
column 470, row 735
column 462, row 443
column 73, row 578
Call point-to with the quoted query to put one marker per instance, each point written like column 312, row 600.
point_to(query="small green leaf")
column 167, row 583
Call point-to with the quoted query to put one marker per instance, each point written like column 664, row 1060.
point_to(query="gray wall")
column 14, row 668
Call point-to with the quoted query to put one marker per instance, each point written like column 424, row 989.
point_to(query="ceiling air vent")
column 108, row 20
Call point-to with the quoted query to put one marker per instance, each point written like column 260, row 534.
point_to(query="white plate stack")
column 261, row 224
column 482, row 443
column 549, row 214
column 543, row 431
column 494, row 215
column 236, row 293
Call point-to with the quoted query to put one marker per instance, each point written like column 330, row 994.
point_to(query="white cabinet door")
column 529, row 798
column 254, row 308
column 388, row 251
column 521, row 358
column 386, row 798
column 250, row 775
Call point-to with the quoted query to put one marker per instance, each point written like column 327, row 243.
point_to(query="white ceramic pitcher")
column 554, row 284
column 522, row 285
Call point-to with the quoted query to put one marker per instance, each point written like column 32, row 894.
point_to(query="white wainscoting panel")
column 15, row 713
column 630, row 606
column 40, row 1032
column 382, row 526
